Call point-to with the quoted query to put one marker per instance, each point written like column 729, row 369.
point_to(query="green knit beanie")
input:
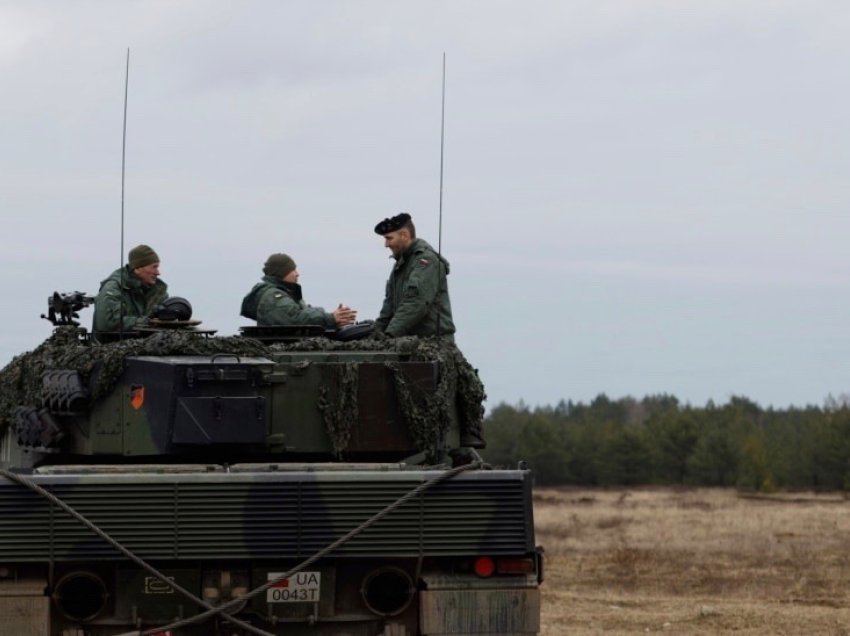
column 278, row 265
column 141, row 256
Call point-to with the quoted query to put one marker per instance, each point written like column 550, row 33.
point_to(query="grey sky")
column 639, row 197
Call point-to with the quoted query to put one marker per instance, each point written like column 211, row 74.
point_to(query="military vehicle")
column 175, row 482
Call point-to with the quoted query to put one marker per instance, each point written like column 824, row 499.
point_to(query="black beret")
column 392, row 225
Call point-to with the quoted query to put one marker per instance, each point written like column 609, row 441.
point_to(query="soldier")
column 417, row 296
column 276, row 300
column 129, row 296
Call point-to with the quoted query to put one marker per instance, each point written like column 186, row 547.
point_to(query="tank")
column 280, row 481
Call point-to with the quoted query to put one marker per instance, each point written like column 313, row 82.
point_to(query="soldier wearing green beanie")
column 277, row 299
column 141, row 256
column 129, row 295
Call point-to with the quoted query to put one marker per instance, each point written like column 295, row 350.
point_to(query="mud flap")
column 24, row 609
column 507, row 610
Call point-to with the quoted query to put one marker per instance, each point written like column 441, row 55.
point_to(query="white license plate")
column 298, row 588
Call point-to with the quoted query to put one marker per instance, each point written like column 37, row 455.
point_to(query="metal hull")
column 221, row 532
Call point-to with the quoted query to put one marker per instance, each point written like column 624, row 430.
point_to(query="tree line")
column 658, row 440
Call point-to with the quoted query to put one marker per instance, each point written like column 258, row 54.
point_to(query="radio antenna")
column 442, row 152
column 442, row 147
column 123, row 163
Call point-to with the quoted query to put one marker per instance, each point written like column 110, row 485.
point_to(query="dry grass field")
column 696, row 561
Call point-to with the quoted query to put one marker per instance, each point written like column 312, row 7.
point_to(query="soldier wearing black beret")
column 394, row 224
column 417, row 295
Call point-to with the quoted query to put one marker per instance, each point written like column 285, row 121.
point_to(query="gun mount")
column 62, row 308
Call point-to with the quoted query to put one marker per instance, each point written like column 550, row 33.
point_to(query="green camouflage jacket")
column 138, row 300
column 417, row 295
column 274, row 302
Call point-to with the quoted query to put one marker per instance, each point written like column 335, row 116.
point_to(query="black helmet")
column 174, row 308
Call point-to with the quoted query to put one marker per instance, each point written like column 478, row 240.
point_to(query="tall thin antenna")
column 442, row 152
column 123, row 163
column 442, row 147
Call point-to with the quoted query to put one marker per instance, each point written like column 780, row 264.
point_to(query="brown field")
column 694, row 561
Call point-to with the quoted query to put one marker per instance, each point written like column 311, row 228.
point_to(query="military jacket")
column 417, row 295
column 275, row 302
column 129, row 300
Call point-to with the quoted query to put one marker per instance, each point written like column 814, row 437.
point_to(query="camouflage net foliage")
column 20, row 380
column 338, row 402
column 428, row 414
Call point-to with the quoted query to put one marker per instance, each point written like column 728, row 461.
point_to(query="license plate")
column 298, row 588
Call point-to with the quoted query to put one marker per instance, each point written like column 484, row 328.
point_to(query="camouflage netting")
column 20, row 380
column 338, row 402
column 428, row 414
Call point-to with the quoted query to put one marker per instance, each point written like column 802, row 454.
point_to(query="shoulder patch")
column 278, row 295
column 424, row 262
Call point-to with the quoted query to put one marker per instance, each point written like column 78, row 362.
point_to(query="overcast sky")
column 639, row 196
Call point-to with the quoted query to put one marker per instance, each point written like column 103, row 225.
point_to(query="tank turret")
column 173, row 392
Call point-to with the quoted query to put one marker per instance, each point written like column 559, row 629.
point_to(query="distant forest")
column 657, row 440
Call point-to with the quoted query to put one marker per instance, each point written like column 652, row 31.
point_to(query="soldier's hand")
column 344, row 315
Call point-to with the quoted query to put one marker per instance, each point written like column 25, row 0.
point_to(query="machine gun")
column 62, row 308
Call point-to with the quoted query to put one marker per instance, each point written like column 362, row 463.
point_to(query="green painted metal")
column 223, row 467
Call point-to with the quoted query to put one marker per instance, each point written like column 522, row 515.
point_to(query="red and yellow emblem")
column 137, row 397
